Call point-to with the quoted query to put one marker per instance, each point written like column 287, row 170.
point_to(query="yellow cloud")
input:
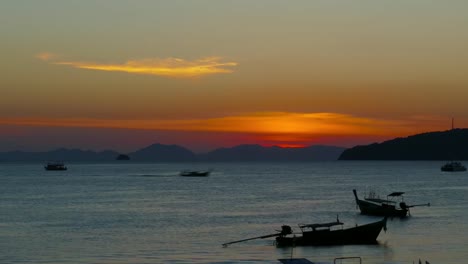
column 169, row 67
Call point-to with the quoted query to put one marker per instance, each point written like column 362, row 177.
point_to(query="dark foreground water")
column 146, row 213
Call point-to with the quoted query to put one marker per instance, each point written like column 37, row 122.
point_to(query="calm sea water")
column 146, row 213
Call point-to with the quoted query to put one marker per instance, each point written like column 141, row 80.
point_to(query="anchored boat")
column 323, row 234
column 189, row 173
column 372, row 205
column 55, row 166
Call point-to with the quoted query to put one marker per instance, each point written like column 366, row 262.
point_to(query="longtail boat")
column 372, row 205
column 323, row 234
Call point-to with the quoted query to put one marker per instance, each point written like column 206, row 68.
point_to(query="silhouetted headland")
column 445, row 145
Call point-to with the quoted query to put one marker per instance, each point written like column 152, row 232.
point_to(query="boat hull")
column 195, row 174
column 364, row 234
column 56, row 169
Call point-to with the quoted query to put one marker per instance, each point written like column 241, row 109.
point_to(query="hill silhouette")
column 175, row 153
column 164, row 153
column 275, row 153
column 444, row 145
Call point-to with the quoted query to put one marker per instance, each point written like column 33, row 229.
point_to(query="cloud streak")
column 168, row 67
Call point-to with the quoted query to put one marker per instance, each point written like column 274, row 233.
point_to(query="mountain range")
column 175, row 153
column 444, row 145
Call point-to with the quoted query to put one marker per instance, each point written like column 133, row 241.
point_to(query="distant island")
column 175, row 153
column 445, row 145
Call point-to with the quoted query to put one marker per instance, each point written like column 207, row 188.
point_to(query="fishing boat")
column 373, row 205
column 323, row 234
column 190, row 173
column 452, row 166
column 55, row 166
column 306, row 261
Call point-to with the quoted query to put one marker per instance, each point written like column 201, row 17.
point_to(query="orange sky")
column 229, row 72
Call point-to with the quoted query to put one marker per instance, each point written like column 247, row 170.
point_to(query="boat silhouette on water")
column 190, row 173
column 55, row 166
column 324, row 235
column 453, row 166
column 372, row 205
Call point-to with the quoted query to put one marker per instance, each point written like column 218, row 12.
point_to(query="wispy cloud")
column 167, row 67
column 46, row 56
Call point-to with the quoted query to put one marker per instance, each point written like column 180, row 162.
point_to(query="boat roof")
column 313, row 226
column 396, row 194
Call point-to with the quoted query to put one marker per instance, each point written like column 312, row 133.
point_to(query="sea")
column 122, row 212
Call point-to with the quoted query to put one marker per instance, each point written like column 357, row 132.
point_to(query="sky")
column 202, row 74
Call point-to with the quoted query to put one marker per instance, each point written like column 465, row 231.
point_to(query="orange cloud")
column 281, row 125
column 169, row 67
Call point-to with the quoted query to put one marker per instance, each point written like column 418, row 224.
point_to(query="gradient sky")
column 204, row 74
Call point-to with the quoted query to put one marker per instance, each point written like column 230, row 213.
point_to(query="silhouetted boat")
column 322, row 235
column 373, row 205
column 306, row 261
column 189, row 173
column 453, row 166
column 55, row 166
column 335, row 261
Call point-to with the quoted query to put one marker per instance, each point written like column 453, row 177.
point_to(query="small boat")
column 55, row 166
column 190, row 173
column 306, row 261
column 453, row 166
column 372, row 205
column 323, row 235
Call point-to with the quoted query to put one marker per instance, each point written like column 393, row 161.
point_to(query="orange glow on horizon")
column 272, row 128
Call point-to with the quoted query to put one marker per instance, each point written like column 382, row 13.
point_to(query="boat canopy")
column 328, row 225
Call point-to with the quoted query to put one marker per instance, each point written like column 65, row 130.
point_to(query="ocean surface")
column 146, row 213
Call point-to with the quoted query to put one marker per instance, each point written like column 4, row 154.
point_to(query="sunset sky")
column 205, row 74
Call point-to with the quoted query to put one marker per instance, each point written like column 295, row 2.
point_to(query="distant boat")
column 55, row 166
column 190, row 173
column 306, row 261
column 372, row 205
column 323, row 235
column 453, row 166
